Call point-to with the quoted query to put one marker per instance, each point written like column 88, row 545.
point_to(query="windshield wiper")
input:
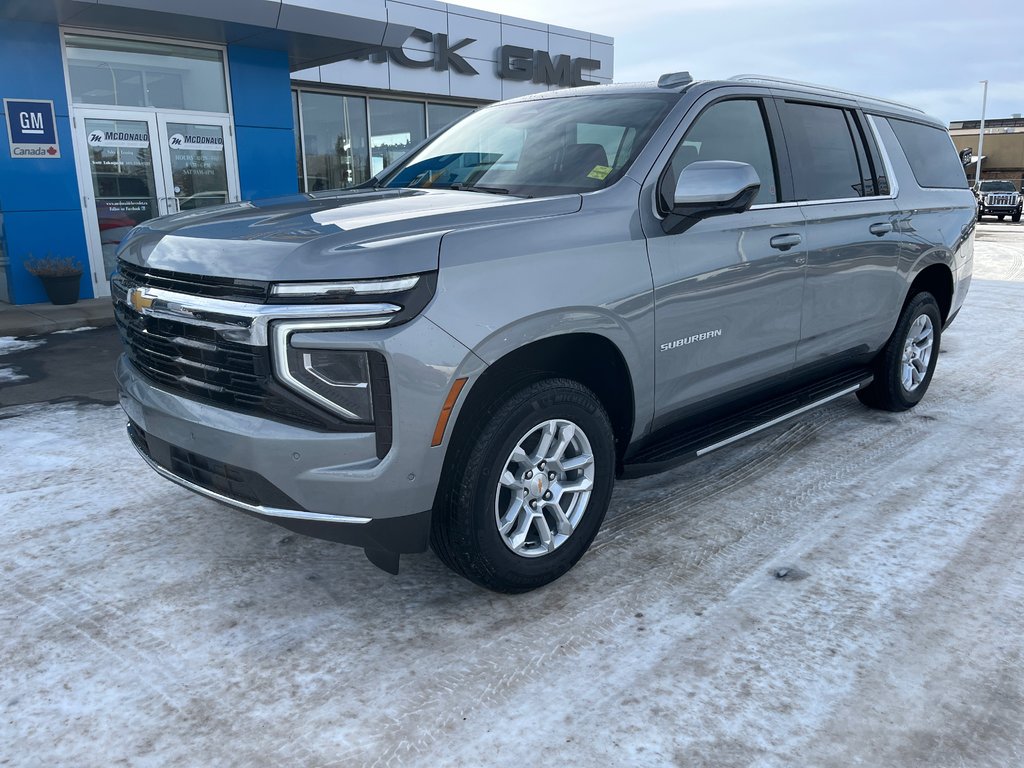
column 460, row 187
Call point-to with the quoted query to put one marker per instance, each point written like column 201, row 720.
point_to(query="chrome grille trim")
column 238, row 321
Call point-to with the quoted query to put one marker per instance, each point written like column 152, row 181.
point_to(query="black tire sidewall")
column 492, row 563
column 921, row 303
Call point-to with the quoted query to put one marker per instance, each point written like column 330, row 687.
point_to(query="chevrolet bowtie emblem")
column 139, row 300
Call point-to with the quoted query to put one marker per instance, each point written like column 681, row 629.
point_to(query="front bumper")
column 330, row 485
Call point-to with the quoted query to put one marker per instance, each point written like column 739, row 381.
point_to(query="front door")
column 728, row 290
column 142, row 164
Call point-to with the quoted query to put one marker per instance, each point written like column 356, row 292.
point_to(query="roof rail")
column 829, row 89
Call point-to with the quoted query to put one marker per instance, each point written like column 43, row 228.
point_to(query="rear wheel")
column 529, row 494
column 904, row 368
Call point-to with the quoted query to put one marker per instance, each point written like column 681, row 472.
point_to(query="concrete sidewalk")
column 31, row 319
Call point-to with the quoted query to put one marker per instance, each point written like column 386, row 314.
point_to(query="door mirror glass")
column 715, row 186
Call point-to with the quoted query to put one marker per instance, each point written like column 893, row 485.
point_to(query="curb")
column 36, row 319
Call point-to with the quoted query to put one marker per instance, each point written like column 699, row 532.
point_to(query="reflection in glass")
column 121, row 166
column 136, row 73
column 198, row 168
column 334, row 139
column 396, row 126
column 440, row 116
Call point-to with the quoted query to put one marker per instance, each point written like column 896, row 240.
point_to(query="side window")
column 931, row 154
column 877, row 166
column 730, row 130
column 827, row 164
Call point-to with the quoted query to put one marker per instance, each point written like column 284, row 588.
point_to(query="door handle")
column 880, row 228
column 785, row 242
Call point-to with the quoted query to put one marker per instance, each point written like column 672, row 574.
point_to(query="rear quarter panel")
column 936, row 226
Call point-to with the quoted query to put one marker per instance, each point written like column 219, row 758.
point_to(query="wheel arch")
column 589, row 358
column 937, row 279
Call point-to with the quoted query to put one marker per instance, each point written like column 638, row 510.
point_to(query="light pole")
column 981, row 133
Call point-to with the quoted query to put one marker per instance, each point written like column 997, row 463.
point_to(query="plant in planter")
column 60, row 277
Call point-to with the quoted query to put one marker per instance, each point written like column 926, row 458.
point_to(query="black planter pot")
column 61, row 289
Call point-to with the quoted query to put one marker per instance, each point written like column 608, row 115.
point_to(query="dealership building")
column 117, row 111
column 1003, row 147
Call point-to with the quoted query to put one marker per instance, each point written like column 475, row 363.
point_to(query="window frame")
column 855, row 123
column 776, row 146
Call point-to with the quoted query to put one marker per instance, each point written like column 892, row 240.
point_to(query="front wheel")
column 529, row 493
column 1016, row 217
column 904, row 367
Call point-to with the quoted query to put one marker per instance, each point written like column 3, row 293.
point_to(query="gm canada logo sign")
column 31, row 128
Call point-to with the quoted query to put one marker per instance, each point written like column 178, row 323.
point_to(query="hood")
column 344, row 235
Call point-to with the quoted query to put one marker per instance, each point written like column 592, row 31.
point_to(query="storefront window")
column 334, row 140
column 135, row 73
column 440, row 116
column 395, row 127
column 337, row 144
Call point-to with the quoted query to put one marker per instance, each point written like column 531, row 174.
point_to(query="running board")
column 692, row 442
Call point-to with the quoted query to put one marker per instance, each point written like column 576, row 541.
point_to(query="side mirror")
column 711, row 188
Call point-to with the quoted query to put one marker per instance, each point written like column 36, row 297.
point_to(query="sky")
column 931, row 55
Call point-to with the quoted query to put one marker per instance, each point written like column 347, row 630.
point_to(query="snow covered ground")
column 142, row 625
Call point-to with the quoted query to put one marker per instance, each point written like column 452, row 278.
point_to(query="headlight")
column 339, row 380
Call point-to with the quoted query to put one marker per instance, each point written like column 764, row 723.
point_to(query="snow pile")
column 11, row 344
column 78, row 330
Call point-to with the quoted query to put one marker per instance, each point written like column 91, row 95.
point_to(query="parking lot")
column 846, row 589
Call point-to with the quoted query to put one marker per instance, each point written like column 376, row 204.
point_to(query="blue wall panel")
column 261, row 100
column 266, row 162
column 38, row 234
column 39, row 197
column 261, row 87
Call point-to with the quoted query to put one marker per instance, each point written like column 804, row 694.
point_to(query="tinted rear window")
column 931, row 154
column 826, row 163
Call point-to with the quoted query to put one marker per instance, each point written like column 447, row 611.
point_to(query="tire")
column 900, row 385
column 1016, row 217
column 980, row 215
column 486, row 508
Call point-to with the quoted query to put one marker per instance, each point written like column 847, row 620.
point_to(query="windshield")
column 538, row 148
column 998, row 186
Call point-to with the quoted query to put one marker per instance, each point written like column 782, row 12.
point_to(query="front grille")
column 193, row 360
column 1006, row 199
column 253, row 291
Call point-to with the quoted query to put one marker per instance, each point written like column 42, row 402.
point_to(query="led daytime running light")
column 351, row 287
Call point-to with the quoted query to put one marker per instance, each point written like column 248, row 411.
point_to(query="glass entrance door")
column 126, row 183
column 142, row 164
column 199, row 162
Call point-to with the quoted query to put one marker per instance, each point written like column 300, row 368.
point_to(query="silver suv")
column 557, row 290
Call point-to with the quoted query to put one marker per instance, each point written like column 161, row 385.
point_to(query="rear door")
column 728, row 289
column 853, row 248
